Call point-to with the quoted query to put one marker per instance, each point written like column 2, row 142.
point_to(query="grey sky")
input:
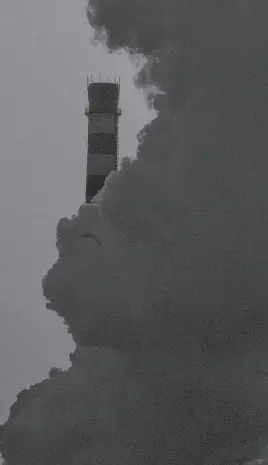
column 170, row 316
column 45, row 57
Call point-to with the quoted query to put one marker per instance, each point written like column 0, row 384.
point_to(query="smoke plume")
column 165, row 290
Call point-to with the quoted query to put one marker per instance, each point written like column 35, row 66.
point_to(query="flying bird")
column 92, row 236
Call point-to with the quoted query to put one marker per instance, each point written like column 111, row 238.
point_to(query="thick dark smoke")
column 168, row 307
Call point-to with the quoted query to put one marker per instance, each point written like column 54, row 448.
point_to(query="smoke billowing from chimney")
column 170, row 314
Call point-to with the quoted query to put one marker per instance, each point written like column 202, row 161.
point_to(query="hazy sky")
column 45, row 54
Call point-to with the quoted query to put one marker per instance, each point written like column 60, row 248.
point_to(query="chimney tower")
column 103, row 115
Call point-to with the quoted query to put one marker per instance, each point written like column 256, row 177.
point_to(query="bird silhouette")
column 92, row 236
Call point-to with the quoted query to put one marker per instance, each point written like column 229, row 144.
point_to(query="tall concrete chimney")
column 103, row 115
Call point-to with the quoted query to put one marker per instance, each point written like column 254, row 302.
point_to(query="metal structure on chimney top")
column 103, row 116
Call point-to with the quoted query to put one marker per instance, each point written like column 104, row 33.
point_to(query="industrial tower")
column 103, row 114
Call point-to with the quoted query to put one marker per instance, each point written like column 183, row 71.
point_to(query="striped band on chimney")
column 103, row 114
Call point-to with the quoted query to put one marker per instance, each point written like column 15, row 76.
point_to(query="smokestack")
column 102, row 154
column 169, row 310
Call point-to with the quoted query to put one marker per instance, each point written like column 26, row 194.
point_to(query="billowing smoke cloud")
column 165, row 293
